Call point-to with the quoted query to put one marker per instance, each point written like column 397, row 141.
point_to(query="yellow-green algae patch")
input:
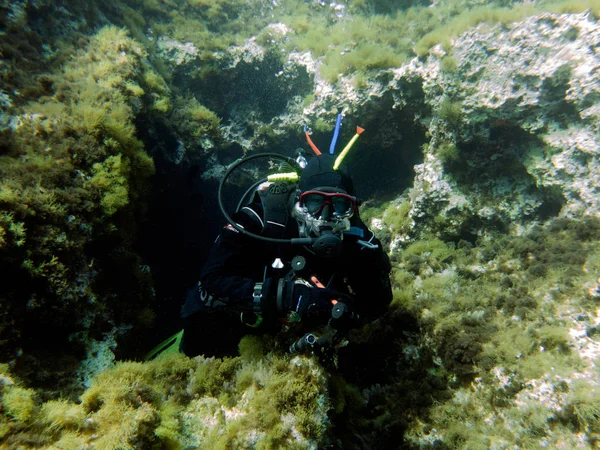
column 255, row 400
column 73, row 179
column 74, row 156
column 350, row 41
column 510, row 324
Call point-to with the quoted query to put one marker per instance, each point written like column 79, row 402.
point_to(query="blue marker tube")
column 336, row 133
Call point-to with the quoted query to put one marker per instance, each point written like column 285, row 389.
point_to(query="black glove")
column 310, row 301
column 299, row 296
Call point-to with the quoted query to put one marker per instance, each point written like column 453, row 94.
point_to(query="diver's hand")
column 310, row 301
column 300, row 297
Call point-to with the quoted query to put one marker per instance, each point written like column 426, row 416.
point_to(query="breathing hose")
column 234, row 166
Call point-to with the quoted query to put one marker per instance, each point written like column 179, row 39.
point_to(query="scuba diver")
column 295, row 256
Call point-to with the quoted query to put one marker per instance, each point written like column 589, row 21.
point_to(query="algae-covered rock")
column 178, row 402
column 532, row 115
column 482, row 128
column 73, row 179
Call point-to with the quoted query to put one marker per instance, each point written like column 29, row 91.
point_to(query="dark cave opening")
column 382, row 161
column 180, row 225
column 382, row 173
column 388, row 151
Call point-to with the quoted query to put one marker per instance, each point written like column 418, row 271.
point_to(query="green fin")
column 169, row 345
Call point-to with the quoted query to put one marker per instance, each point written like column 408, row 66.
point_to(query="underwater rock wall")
column 73, row 179
column 512, row 139
column 496, row 125
column 256, row 400
column 491, row 332
column 490, row 161
column 526, row 121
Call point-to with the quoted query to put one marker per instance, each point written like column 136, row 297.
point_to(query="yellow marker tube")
column 291, row 176
column 342, row 155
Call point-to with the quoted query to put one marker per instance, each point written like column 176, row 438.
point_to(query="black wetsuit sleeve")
column 369, row 277
column 233, row 265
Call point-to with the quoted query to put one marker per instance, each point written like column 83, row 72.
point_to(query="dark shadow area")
column 380, row 174
column 260, row 88
column 392, row 6
column 36, row 331
column 382, row 160
column 384, row 377
column 553, row 97
column 500, row 160
column 182, row 221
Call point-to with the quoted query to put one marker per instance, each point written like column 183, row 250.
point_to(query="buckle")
column 257, row 297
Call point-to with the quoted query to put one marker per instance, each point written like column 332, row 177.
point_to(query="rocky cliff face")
column 529, row 96
column 499, row 132
column 510, row 113
column 479, row 168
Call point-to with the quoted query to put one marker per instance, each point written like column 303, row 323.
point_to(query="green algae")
column 358, row 41
column 194, row 120
column 584, row 402
column 483, row 317
column 19, row 403
column 397, row 217
column 72, row 179
column 174, row 402
column 496, row 328
column 481, row 328
column 480, row 307
column 451, row 112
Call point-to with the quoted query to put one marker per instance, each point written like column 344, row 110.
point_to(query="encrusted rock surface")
column 525, row 131
column 512, row 111
column 549, row 91
column 177, row 53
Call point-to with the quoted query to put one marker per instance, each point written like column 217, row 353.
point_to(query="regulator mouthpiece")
column 327, row 245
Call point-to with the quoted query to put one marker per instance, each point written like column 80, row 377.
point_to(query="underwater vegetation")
column 194, row 119
column 361, row 37
column 492, row 335
column 497, row 319
column 73, row 178
column 256, row 400
column 487, row 336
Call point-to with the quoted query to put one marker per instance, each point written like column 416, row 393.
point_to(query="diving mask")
column 340, row 204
